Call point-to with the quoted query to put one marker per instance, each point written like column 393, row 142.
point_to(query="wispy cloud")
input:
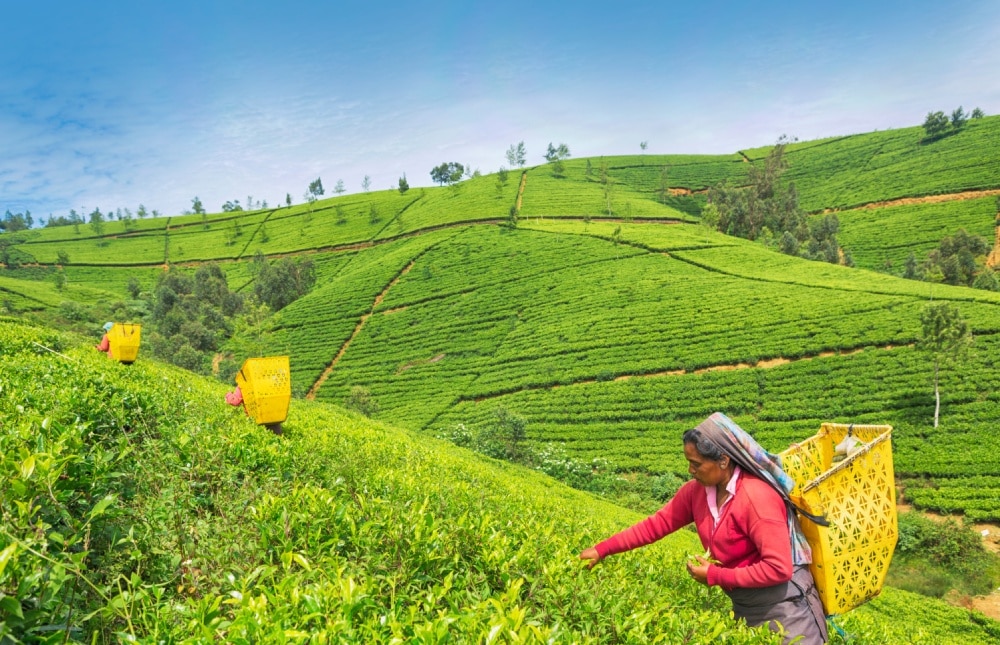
column 167, row 105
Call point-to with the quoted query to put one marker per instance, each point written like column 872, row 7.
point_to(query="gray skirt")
column 794, row 604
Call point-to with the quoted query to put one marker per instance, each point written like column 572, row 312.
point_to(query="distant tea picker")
column 264, row 389
column 120, row 341
column 105, row 344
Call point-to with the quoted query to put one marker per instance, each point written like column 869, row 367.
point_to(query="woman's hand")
column 699, row 569
column 592, row 555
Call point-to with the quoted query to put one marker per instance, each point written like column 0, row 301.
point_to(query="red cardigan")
column 751, row 541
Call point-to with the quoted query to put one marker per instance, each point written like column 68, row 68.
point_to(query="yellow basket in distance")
column 851, row 556
column 266, row 385
column 124, row 341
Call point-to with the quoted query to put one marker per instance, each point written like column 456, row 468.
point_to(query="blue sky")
column 115, row 104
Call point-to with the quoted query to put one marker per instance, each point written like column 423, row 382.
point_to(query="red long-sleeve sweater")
column 751, row 541
column 104, row 346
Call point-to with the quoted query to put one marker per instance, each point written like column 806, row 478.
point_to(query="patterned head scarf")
column 751, row 457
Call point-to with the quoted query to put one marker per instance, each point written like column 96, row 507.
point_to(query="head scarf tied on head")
column 108, row 326
column 752, row 458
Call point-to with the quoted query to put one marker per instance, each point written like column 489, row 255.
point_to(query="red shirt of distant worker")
column 105, row 344
column 235, row 397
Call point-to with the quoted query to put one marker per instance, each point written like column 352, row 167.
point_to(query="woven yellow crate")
column 123, row 339
column 266, row 385
column 858, row 497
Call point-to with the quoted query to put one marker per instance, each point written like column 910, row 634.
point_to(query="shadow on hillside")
column 914, row 409
column 938, row 137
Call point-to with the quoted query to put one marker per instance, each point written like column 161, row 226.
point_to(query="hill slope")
column 609, row 337
column 139, row 506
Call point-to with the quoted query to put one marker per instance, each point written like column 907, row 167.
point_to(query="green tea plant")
column 140, row 507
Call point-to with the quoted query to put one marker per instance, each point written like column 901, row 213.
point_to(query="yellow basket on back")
column 124, row 341
column 858, row 497
column 266, row 385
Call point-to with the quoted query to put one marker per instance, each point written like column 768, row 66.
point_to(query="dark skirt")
column 794, row 604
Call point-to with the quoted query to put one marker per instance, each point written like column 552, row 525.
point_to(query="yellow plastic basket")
column 124, row 341
column 858, row 498
column 266, row 385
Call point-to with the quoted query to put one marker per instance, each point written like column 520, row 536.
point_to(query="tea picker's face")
column 707, row 472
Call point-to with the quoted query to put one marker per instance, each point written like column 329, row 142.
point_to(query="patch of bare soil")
column 764, row 363
column 994, row 258
column 428, row 361
column 988, row 605
column 723, row 368
column 927, row 199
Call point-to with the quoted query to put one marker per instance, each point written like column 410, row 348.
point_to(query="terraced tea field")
column 338, row 529
column 610, row 335
column 612, row 349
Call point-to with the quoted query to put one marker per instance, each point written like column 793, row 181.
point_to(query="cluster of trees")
column 555, row 156
column 281, row 283
column 938, row 124
column 12, row 222
column 190, row 316
column 11, row 256
column 251, row 205
column 959, row 259
column 447, row 173
column 767, row 210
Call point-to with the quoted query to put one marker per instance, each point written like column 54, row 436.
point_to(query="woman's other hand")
column 592, row 555
column 698, row 568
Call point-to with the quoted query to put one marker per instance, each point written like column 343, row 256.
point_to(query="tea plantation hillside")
column 138, row 506
column 607, row 317
column 612, row 339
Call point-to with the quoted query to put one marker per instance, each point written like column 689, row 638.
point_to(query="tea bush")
column 137, row 506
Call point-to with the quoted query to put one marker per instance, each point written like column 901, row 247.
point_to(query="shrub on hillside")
column 933, row 557
column 959, row 260
column 767, row 210
column 360, row 400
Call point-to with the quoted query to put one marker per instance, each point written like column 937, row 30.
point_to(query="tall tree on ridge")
column 516, row 155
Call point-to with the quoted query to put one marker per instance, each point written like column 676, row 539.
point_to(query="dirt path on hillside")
column 990, row 603
column 990, row 532
column 927, row 199
column 993, row 260
column 761, row 364
column 311, row 394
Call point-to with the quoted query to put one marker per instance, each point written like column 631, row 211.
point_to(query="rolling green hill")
column 140, row 507
column 613, row 350
column 608, row 318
